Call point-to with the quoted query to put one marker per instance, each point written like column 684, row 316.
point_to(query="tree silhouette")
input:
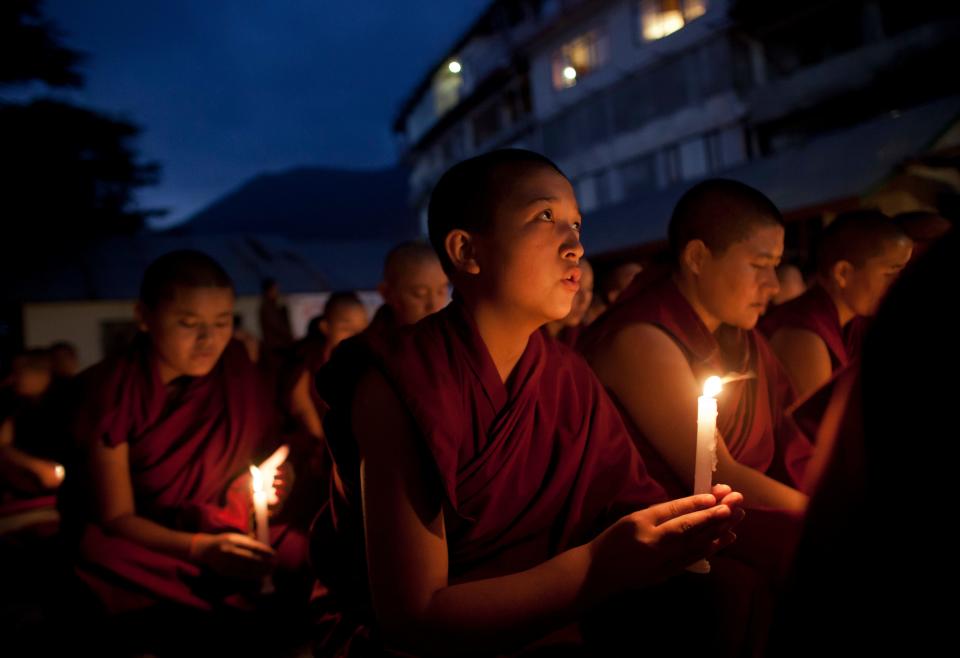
column 67, row 173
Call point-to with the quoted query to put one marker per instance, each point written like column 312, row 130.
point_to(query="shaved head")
column 414, row 283
column 719, row 212
column 465, row 196
column 856, row 237
column 406, row 257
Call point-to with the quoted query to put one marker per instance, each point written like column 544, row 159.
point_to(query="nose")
column 773, row 282
column 572, row 248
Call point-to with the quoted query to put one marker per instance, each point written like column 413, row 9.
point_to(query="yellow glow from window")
column 657, row 26
column 693, row 9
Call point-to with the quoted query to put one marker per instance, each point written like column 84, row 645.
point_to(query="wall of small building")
column 87, row 324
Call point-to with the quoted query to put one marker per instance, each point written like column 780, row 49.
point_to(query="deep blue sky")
column 226, row 89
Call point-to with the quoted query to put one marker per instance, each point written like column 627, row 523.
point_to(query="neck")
column 686, row 283
column 553, row 328
column 167, row 374
column 504, row 334
column 844, row 313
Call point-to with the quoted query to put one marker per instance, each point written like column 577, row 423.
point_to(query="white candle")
column 706, row 462
column 706, row 436
column 260, row 505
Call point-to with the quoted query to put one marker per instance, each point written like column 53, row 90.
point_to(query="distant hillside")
column 313, row 202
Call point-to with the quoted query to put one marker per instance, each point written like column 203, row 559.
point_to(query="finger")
column 734, row 499
column 721, row 490
column 704, row 520
column 671, row 509
column 722, row 542
column 251, row 544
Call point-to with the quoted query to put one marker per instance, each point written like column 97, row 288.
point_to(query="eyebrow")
column 191, row 314
column 541, row 199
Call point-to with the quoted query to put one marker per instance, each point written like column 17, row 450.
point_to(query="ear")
column 461, row 249
column 694, row 255
column 140, row 313
column 842, row 272
column 323, row 325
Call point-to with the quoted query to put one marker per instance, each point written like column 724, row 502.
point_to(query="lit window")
column 446, row 87
column 578, row 58
column 658, row 18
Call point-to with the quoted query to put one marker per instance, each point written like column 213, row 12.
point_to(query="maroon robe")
column 750, row 416
column 190, row 447
column 570, row 335
column 528, row 469
column 816, row 312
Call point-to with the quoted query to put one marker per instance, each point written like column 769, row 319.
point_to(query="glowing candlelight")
column 265, row 493
column 260, row 505
column 706, row 448
column 706, row 436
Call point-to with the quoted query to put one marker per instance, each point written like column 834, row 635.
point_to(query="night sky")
column 228, row 89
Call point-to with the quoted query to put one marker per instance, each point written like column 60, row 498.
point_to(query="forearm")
column 28, row 473
column 152, row 535
column 758, row 489
column 503, row 612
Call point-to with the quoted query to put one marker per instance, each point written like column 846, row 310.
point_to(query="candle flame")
column 257, row 479
column 712, row 387
column 60, row 472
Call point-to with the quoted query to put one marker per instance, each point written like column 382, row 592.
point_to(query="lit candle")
column 706, row 448
column 260, row 505
column 262, row 482
column 706, row 436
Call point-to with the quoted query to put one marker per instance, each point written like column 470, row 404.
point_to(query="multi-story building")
column 819, row 104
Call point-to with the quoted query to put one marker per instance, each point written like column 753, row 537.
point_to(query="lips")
column 572, row 279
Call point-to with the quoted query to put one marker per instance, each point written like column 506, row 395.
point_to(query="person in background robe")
column 484, row 469
column 859, row 255
column 414, row 285
column 657, row 345
column 924, row 227
column 872, row 569
column 611, row 285
column 65, row 361
column 618, row 280
column 275, row 333
column 568, row 330
column 250, row 342
column 31, row 437
column 344, row 315
column 157, row 508
column 792, row 284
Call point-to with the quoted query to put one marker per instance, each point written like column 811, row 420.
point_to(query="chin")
column 747, row 321
column 199, row 369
